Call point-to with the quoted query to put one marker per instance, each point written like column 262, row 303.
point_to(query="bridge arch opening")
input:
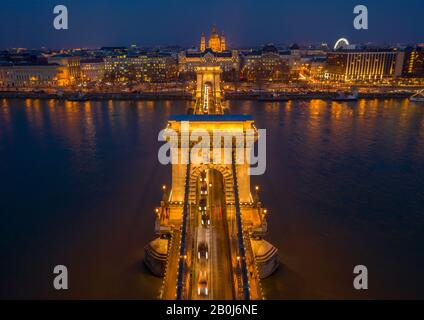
column 227, row 177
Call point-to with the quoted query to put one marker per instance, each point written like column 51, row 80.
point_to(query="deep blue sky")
column 29, row 23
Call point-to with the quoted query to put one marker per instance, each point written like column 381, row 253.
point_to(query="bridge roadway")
column 218, row 268
column 222, row 282
column 226, row 277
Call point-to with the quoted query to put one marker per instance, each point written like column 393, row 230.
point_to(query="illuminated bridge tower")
column 208, row 91
column 210, row 223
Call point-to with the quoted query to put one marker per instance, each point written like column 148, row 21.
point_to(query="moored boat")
column 78, row 97
column 418, row 97
column 342, row 96
column 272, row 97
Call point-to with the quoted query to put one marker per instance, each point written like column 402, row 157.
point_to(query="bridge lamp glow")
column 257, row 188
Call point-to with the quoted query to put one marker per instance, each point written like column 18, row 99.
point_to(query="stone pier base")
column 266, row 257
column 155, row 256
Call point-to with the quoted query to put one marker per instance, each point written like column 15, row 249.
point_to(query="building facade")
column 364, row 66
column 72, row 65
column 161, row 67
column 413, row 64
column 267, row 64
column 33, row 76
column 229, row 62
column 142, row 67
column 92, row 70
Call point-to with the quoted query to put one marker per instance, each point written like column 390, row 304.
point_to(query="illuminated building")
column 72, row 65
column 203, row 42
column 215, row 42
column 413, row 64
column 267, row 64
column 308, row 68
column 33, row 76
column 365, row 66
column 116, row 69
column 228, row 61
column 161, row 67
column 143, row 67
column 223, row 42
column 92, row 70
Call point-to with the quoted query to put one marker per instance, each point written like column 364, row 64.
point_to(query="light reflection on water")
column 344, row 185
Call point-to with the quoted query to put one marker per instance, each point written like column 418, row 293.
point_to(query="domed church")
column 216, row 43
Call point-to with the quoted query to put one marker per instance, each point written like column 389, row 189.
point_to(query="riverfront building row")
column 122, row 66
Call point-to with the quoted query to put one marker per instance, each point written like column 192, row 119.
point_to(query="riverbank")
column 98, row 96
column 315, row 95
column 283, row 96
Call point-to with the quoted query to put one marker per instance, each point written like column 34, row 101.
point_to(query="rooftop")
column 211, row 117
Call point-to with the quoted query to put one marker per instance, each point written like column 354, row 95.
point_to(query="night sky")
column 94, row 23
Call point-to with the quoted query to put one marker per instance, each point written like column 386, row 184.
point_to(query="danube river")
column 344, row 186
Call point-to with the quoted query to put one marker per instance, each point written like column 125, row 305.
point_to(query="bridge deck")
column 227, row 276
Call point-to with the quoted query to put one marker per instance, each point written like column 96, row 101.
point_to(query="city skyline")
column 165, row 22
column 226, row 152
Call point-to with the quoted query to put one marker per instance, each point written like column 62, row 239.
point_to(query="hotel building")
column 364, row 66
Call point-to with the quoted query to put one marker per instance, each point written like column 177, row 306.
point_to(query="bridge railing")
column 253, row 267
column 168, row 291
column 241, row 247
column 183, row 244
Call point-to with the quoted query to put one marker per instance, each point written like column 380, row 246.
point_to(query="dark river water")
column 344, row 186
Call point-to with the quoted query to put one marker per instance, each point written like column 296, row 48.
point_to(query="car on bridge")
column 202, row 205
column 203, row 176
column 206, row 221
column 202, row 251
column 204, row 189
column 202, row 287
